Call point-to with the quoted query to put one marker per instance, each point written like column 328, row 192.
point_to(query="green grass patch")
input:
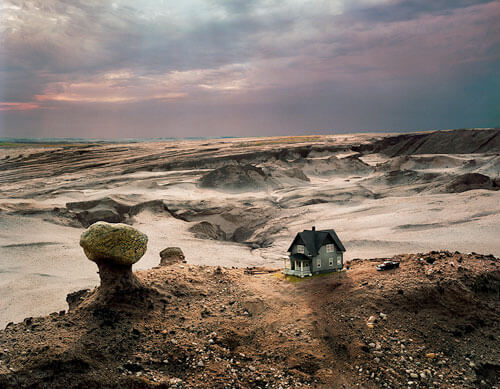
column 11, row 145
column 5, row 145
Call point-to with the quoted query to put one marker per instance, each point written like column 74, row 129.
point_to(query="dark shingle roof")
column 300, row 256
column 313, row 240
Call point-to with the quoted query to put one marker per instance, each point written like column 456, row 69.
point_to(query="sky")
column 188, row 68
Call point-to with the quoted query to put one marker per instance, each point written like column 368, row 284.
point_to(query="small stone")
column 472, row 364
column 174, row 381
column 171, row 255
column 413, row 375
column 430, row 355
column 201, row 364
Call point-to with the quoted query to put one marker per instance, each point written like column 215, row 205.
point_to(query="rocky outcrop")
column 241, row 234
column 114, row 248
column 332, row 165
column 110, row 210
column 471, row 181
column 237, row 178
column 206, row 230
column 465, row 141
column 296, row 173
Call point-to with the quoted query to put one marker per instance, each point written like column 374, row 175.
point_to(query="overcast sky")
column 158, row 68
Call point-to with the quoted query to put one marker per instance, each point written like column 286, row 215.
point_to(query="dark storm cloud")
column 217, row 65
column 408, row 9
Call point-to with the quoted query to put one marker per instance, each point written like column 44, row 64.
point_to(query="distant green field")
column 4, row 145
column 9, row 145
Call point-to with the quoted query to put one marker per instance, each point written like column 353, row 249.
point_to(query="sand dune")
column 383, row 194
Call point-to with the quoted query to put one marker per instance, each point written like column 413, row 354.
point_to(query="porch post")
column 301, row 266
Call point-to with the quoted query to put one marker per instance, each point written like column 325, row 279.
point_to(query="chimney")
column 313, row 228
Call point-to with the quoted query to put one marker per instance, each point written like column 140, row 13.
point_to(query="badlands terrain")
column 239, row 202
column 236, row 203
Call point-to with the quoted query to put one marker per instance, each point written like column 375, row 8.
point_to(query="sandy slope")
column 380, row 202
column 434, row 325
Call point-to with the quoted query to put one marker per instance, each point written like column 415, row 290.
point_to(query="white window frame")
column 330, row 248
column 318, row 262
column 339, row 260
column 330, row 261
column 300, row 248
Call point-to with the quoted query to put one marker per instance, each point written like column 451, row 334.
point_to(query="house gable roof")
column 313, row 240
column 300, row 256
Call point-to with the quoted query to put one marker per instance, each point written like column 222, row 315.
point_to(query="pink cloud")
column 18, row 106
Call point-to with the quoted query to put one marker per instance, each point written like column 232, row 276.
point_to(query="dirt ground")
column 433, row 323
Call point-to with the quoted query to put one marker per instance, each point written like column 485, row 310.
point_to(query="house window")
column 331, row 262
column 329, row 248
column 300, row 249
column 318, row 262
column 339, row 260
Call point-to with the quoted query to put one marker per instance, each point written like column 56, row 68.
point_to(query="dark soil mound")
column 471, row 181
column 236, row 178
column 407, row 177
column 438, row 142
column 206, row 230
column 434, row 321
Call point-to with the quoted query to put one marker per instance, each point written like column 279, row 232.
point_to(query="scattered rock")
column 372, row 320
column 171, row 255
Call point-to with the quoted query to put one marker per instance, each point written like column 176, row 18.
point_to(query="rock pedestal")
column 114, row 248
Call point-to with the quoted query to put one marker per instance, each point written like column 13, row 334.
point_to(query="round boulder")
column 117, row 243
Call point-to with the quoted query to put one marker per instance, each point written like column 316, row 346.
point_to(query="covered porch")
column 298, row 265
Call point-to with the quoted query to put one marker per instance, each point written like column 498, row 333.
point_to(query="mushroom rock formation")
column 114, row 248
column 171, row 255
